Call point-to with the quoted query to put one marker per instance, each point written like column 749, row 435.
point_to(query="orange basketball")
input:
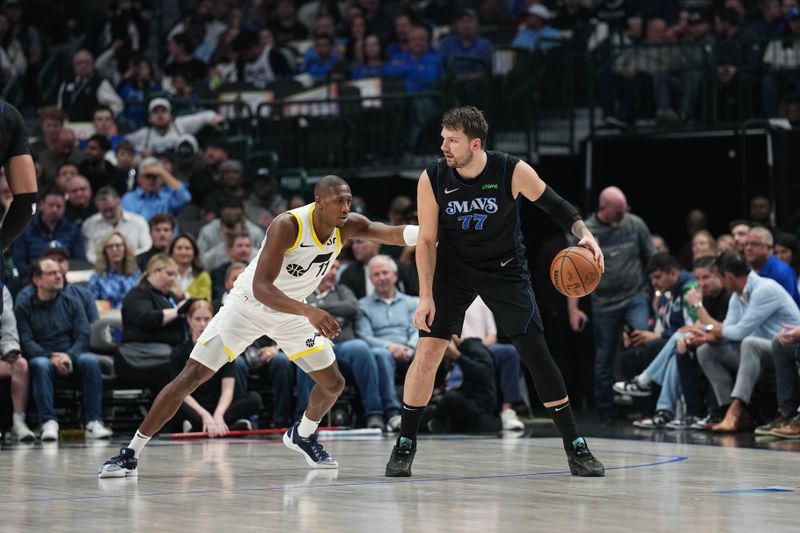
column 574, row 272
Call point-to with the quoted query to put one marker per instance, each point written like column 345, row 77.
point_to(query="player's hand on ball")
column 588, row 241
column 323, row 322
column 423, row 317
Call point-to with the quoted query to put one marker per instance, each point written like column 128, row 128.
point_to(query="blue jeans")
column 355, row 359
column 506, row 361
column 386, row 370
column 664, row 371
column 687, row 83
column 87, row 367
column 607, row 330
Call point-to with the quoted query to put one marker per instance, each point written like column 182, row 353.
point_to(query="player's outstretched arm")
column 527, row 182
column 360, row 227
column 21, row 175
column 281, row 235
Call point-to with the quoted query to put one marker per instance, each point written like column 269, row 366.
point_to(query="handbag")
column 145, row 355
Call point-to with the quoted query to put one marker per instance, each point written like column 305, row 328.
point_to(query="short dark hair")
column 35, row 268
column 125, row 145
column 52, row 191
column 101, row 140
column 732, row 262
column 183, row 40
column 102, row 107
column 161, row 218
column 323, row 37
column 662, row 261
column 328, row 182
column 468, row 118
column 739, row 222
column 704, row 261
column 731, row 16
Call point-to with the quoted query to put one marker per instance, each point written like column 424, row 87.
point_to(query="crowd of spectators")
column 138, row 220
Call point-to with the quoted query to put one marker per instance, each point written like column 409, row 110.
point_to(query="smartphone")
column 628, row 329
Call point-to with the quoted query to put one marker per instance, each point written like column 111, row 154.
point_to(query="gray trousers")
column 721, row 361
column 785, row 359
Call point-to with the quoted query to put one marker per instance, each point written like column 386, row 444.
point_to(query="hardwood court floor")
column 460, row 484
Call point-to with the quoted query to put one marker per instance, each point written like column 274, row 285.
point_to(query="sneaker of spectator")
column 777, row 422
column 49, row 431
column 657, row 421
column 510, row 420
column 96, row 430
column 788, row 431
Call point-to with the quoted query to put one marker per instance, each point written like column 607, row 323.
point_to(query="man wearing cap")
column 466, row 42
column 48, row 226
column 158, row 191
column 536, row 34
column 81, row 95
column 164, row 131
column 111, row 217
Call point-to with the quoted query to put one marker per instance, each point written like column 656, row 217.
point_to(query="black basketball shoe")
column 399, row 464
column 581, row 461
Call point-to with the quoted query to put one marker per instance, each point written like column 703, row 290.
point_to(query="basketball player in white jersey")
column 268, row 298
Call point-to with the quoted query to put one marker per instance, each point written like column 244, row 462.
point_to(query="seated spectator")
column 116, row 271
column 354, row 357
column 124, row 157
column 373, row 63
column 782, row 64
column 420, row 69
column 760, row 211
column 357, row 32
column 231, row 211
column 231, row 187
column 158, row 191
column 787, row 249
column 710, row 306
column 674, row 313
column 54, row 335
column 770, row 23
column 739, row 230
column 620, row 85
column 703, row 243
column 466, row 41
column 79, row 205
column 112, row 217
column 15, row 368
column 479, row 325
column 785, row 354
column 285, row 26
column 48, row 226
column 264, row 202
column 357, row 278
column 182, row 61
column 81, row 95
column 213, row 407
column 756, row 314
column 138, row 82
column 104, row 124
column 537, row 34
column 164, row 132
column 385, row 322
column 758, row 250
column 231, row 273
column 78, row 291
column 472, row 407
column 51, row 122
column 258, row 62
column 736, row 60
column 52, row 159
column 324, row 64
column 659, row 244
column 240, row 250
column 204, row 182
column 162, row 231
column 673, row 71
column 575, row 18
column 98, row 170
column 192, row 280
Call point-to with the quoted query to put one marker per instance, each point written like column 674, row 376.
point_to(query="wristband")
column 410, row 233
column 698, row 305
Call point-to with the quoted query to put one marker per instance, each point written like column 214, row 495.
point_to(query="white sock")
column 138, row 443
column 19, row 419
column 307, row 427
column 643, row 380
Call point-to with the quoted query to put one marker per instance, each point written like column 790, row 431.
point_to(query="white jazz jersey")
column 304, row 264
column 243, row 319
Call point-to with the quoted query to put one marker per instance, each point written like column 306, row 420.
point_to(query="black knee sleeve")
column 534, row 352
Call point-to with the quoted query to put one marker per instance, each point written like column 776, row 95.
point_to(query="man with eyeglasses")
column 621, row 298
column 158, row 191
column 111, row 217
column 758, row 250
column 54, row 336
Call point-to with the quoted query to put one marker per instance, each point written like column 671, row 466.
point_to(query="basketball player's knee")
column 332, row 385
column 192, row 376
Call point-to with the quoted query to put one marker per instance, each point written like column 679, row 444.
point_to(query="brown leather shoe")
column 789, row 431
column 736, row 419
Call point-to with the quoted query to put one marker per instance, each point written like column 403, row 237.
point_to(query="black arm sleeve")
column 559, row 210
column 22, row 208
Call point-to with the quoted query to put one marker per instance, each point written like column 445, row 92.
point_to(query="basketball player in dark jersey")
column 468, row 201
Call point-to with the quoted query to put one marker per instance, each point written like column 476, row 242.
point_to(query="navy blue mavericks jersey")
column 479, row 218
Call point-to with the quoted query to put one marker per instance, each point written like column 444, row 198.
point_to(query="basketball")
column 574, row 272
